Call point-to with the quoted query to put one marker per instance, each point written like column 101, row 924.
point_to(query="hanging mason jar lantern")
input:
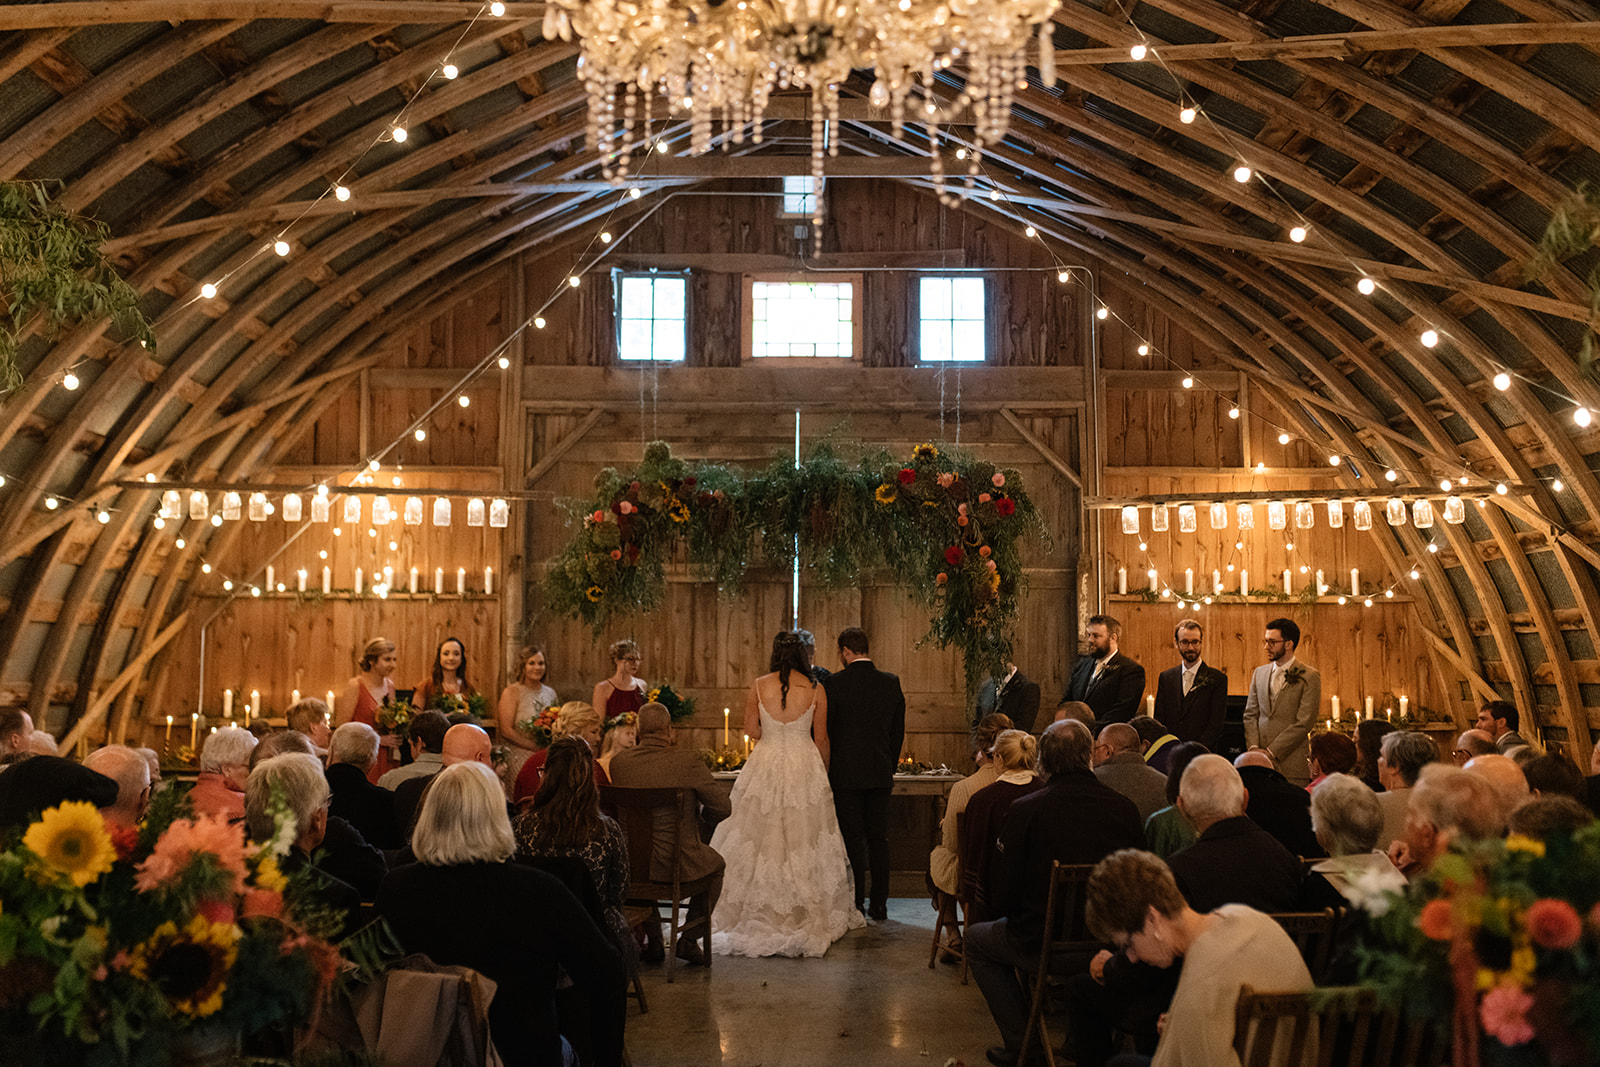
column 1422, row 514
column 320, row 506
column 352, row 509
column 292, row 507
column 475, row 512
column 1335, row 514
column 1246, row 516
column 1277, row 515
column 171, row 505
column 232, row 506
column 1395, row 511
column 1305, row 515
column 499, row 513
column 414, row 511
column 199, row 505
column 1159, row 518
column 258, row 507
column 1130, row 519
column 381, row 511
column 1361, row 514
column 1186, row 519
column 1455, row 512
column 1219, row 516
column 441, row 511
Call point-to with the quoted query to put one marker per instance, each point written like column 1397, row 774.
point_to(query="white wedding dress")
column 788, row 890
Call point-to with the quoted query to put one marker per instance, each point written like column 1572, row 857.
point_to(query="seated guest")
column 345, row 854
column 295, row 779
column 1015, row 753
column 278, row 743
column 42, row 782
column 1547, row 775
column 352, row 751
column 1401, row 758
column 1545, row 817
column 150, row 757
column 1510, row 785
column 462, row 842
column 1348, row 821
column 42, row 744
column 1118, row 764
column 655, row 763
column 427, row 742
column 310, row 717
column 1075, row 709
column 1167, row 830
column 942, row 861
column 1075, row 818
column 1473, row 742
column 1134, row 903
column 16, row 726
column 617, row 736
column 575, row 719
column 1369, row 739
column 463, row 743
column 1276, row 804
column 564, row 819
column 1155, row 741
column 1233, row 861
column 224, row 766
column 1447, row 803
column 1331, row 753
column 132, row 774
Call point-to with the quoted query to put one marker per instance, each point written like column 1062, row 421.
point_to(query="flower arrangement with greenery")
column 394, row 717
column 541, row 727
column 1500, row 944
column 948, row 526
column 678, row 706
column 626, row 718
column 723, row 759
column 474, row 704
column 113, row 944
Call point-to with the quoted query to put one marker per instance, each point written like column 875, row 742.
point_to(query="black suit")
column 1018, row 701
column 1282, row 809
column 367, row 807
column 1114, row 695
column 1200, row 715
column 1237, row 862
column 866, row 727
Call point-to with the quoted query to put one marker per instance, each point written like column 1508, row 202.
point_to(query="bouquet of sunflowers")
column 117, row 946
column 678, row 706
column 394, row 717
column 474, row 704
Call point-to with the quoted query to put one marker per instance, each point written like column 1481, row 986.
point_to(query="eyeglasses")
column 1272, row 642
column 1188, row 644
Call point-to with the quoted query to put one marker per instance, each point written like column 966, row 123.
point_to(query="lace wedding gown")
column 787, row 890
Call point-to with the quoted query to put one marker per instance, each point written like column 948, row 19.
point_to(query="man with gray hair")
column 132, row 774
column 1076, row 819
column 224, row 767
column 1233, row 861
column 1401, row 757
column 1119, row 764
column 1447, row 804
column 352, row 751
column 297, row 778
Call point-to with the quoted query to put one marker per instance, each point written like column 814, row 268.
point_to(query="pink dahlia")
column 1504, row 1011
column 175, row 849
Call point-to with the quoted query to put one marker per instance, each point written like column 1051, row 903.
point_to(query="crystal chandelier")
column 714, row 59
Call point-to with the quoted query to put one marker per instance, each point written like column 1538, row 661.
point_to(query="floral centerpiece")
column 1500, row 942
column 394, row 717
column 114, row 945
column 678, row 706
column 724, row 759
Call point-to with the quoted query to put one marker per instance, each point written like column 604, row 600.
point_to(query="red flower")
column 124, row 839
column 1435, row 920
column 1554, row 924
column 616, row 553
column 216, row 911
column 952, row 555
column 261, row 903
column 907, row 475
column 1006, row 506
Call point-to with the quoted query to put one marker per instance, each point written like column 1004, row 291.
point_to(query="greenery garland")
column 947, row 525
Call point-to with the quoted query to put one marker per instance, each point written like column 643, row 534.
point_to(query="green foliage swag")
column 948, row 527
column 52, row 273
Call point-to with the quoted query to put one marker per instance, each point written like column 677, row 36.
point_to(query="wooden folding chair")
column 1341, row 1025
column 952, row 907
column 1066, row 931
column 1312, row 933
column 643, row 814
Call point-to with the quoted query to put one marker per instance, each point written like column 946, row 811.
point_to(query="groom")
column 866, row 725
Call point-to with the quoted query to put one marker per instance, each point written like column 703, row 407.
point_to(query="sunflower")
column 269, row 876
column 72, row 839
column 886, row 494
column 925, row 452
column 190, row 966
column 594, row 593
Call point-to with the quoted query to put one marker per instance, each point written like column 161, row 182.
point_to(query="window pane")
column 952, row 314
column 635, row 340
column 935, row 341
column 968, row 298
column 801, row 319
column 670, row 298
column 651, row 314
column 636, row 298
column 935, row 298
column 669, row 340
column 968, row 340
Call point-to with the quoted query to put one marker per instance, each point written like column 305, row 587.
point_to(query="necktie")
column 1188, row 680
column 1275, row 683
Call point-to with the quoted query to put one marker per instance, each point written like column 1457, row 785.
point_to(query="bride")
column 787, row 890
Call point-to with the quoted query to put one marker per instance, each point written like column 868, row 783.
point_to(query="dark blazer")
column 866, row 726
column 1237, row 862
column 1019, row 701
column 1074, row 819
column 1282, row 809
column 1198, row 716
column 1114, row 696
column 345, row 855
column 367, row 807
column 524, row 958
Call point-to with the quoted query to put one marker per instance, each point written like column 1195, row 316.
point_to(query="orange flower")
column 1554, row 924
column 984, row 551
column 1435, row 921
column 941, row 578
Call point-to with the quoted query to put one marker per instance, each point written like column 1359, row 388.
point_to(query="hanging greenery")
column 53, row 274
column 1573, row 230
column 946, row 525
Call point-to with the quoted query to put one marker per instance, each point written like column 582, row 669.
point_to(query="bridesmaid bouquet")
column 475, row 704
column 541, row 727
column 394, row 717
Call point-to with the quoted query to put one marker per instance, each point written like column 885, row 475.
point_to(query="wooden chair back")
column 1312, row 933
column 1066, row 932
column 1339, row 1025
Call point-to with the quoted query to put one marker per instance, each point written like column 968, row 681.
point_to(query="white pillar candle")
column 413, row 579
column 272, row 578
column 1355, row 582
column 227, row 703
column 1150, row 705
column 330, row 700
column 488, row 580
column 194, row 729
column 327, row 580
column 1216, row 583
column 461, row 581
column 359, row 577
column 300, row 580
column 438, row 581
column 1188, row 580
column 1329, row 724
column 1288, row 588
column 725, row 724
column 1369, row 707
column 294, row 696
column 1244, row 583
column 1403, row 703
column 1336, row 709
column 1152, row 576
column 388, row 576
column 1321, row 586
column 169, row 731
column 255, row 700
column 1122, row 579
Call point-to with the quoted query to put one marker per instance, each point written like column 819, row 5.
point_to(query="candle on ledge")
column 413, row 586
column 725, row 723
column 327, row 580
column 1329, row 724
column 300, row 580
column 1188, row 580
column 747, row 744
column 438, row 581
column 194, row 729
column 1244, row 583
column 1322, row 586
column 1150, row 704
column 255, row 700
column 488, row 581
column 1403, row 702
column 330, row 700
column 1151, row 574
column 1369, row 707
column 227, row 703
column 461, row 581
column 359, row 582
column 1336, row 716
column 169, row 731
column 1216, row 582
column 294, row 696
column 1288, row 589
column 272, row 578
column 1122, row 579
column 1355, row 581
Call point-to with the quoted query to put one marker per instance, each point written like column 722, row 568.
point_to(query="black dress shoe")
column 1001, row 1056
column 879, row 912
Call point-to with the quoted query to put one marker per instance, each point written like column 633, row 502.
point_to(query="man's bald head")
column 131, row 773
column 654, row 720
column 1504, row 777
column 466, row 743
column 1473, row 743
column 1120, row 737
column 1255, row 758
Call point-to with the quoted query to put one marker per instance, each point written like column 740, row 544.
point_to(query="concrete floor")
column 871, row 1000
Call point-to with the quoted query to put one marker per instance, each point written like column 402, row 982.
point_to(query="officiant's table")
column 915, row 808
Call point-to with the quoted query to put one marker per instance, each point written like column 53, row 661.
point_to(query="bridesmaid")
column 449, row 675
column 523, row 701
column 369, row 690
column 622, row 692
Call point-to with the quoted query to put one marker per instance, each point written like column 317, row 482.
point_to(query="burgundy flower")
column 907, row 475
column 1005, row 506
column 952, row 555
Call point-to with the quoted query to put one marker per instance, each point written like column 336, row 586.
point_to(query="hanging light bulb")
column 227, row 584
column 450, row 72
column 1241, row 174
column 1429, row 338
column 1144, row 350
column 1502, row 489
column 1233, row 413
column 1582, row 416
column 1188, row 382
column 102, row 516
column 1557, row 485
column 420, row 434
column 1103, row 313
column 1284, row 438
column 1502, row 381
column 497, row 9
column 69, row 381
column 1415, row 574
column 1297, row 234
column 1335, row 459
column 464, row 400
column 281, row 247
column 1064, row 277
column 1366, row 286
column 1186, row 116
column 1390, row 475
column 1137, row 52
column 538, row 322
column 181, row 544
column 574, row 281
column 208, row 290
column 635, row 193
column 505, row 364
column 341, row 193
column 1031, row 232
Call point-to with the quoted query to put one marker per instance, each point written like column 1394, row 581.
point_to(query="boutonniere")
column 1293, row 674
column 1200, row 681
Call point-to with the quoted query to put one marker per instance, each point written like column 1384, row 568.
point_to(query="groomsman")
column 866, row 727
column 1015, row 696
column 1192, row 698
column 1283, row 701
column 1106, row 680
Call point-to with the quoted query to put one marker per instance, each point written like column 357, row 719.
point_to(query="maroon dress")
column 622, row 701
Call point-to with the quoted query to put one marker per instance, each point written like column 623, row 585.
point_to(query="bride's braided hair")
column 788, row 654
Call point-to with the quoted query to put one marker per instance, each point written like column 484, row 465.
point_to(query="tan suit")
column 1282, row 724
column 655, row 764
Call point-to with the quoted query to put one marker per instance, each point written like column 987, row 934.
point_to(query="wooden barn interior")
column 1154, row 337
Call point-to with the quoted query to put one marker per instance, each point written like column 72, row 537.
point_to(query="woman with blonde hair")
column 523, row 701
column 1016, row 755
column 942, row 862
column 576, row 719
column 620, row 733
column 370, row 689
column 622, row 692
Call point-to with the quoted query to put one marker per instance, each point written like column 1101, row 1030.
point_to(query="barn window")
column 652, row 317
column 953, row 325
column 799, row 196
column 808, row 317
